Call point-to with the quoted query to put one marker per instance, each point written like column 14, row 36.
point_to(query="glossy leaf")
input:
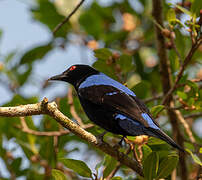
column 138, row 89
column 150, row 166
column 184, row 10
column 171, row 16
column 182, row 95
column 125, row 61
column 103, row 53
column 77, row 166
column 15, row 165
column 117, row 178
column 167, row 165
column 58, row 175
column 146, row 151
column 156, row 110
column 194, row 157
column 36, row 53
column 195, row 7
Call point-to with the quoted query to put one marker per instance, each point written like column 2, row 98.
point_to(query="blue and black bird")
column 111, row 105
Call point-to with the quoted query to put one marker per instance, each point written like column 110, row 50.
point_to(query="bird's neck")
column 83, row 78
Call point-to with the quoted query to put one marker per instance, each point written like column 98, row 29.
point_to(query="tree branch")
column 186, row 126
column 67, row 18
column 193, row 115
column 182, row 68
column 166, row 80
column 26, row 129
column 72, row 109
column 51, row 109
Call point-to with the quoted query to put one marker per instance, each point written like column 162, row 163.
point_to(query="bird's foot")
column 119, row 144
column 100, row 137
column 122, row 139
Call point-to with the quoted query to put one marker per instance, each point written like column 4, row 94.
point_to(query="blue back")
column 102, row 79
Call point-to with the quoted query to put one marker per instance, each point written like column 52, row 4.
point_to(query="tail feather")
column 163, row 136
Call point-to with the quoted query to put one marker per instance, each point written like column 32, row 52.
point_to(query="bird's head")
column 75, row 74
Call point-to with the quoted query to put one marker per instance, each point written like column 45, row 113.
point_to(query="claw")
column 119, row 144
column 122, row 139
column 100, row 137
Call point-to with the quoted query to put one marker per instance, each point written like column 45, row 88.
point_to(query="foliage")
column 122, row 39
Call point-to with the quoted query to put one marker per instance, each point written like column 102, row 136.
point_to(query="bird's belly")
column 103, row 117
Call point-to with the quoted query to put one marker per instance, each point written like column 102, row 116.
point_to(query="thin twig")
column 186, row 126
column 193, row 115
column 112, row 174
column 153, row 98
column 67, row 18
column 55, row 146
column 172, row 38
column 26, row 129
column 182, row 68
column 72, row 108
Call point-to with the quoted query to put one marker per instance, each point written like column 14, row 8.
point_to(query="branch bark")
column 51, row 109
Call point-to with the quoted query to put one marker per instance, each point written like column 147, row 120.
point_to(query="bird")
column 111, row 105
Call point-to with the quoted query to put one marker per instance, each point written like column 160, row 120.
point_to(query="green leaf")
column 200, row 150
column 182, row 95
column 141, row 89
column 17, row 100
column 155, row 141
column 196, row 5
column 167, row 165
column 193, row 85
column 96, row 20
column 35, row 53
column 10, row 56
column 116, row 178
column 1, row 32
column 77, row 166
column 22, row 78
column 110, row 165
column 146, row 151
column 16, row 163
column 89, row 18
column 102, row 53
column 150, row 166
column 171, row 16
column 98, row 165
column 125, row 61
column 156, row 110
column 58, row 175
column 183, row 10
column 194, row 157
column 47, row 14
column 103, row 67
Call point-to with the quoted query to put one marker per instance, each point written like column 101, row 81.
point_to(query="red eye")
column 72, row 68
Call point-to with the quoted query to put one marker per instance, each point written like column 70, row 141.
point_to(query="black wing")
column 117, row 101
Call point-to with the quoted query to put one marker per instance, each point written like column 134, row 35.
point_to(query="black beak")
column 60, row 77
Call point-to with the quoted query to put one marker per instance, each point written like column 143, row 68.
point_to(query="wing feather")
column 117, row 101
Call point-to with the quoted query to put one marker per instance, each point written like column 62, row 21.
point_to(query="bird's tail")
column 163, row 136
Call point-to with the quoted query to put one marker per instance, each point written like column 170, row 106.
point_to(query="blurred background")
column 30, row 54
